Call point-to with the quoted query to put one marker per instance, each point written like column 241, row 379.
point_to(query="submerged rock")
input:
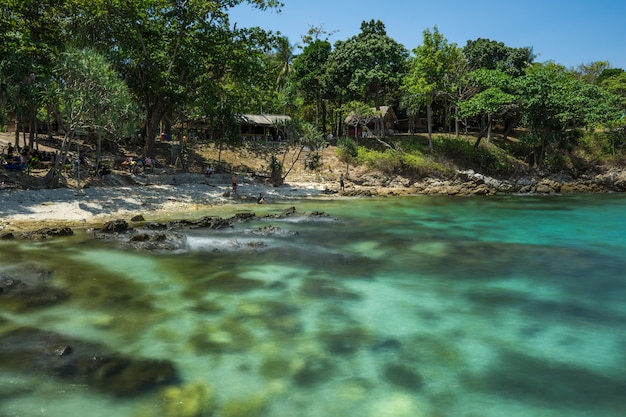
column 190, row 400
column 20, row 295
column 34, row 351
column 403, row 377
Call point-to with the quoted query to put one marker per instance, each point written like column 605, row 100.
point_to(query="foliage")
column 310, row 69
column 92, row 96
column 553, row 100
column 495, row 97
column 614, row 81
column 367, row 67
column 298, row 136
column 491, row 55
column 162, row 48
column 429, row 73
column 347, row 151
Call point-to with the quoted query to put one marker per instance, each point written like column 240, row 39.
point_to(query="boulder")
column 115, row 226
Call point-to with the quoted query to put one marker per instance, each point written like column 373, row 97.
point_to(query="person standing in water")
column 234, row 180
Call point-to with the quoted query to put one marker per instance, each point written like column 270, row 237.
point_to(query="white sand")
column 160, row 196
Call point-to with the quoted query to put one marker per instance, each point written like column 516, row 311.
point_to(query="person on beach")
column 234, row 180
column 261, row 199
column 341, row 183
column 147, row 164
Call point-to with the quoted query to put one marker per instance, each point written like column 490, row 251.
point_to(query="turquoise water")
column 398, row 307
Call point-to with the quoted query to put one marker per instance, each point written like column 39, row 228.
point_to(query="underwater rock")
column 346, row 340
column 314, row 370
column 229, row 336
column 35, row 351
column 137, row 218
column 190, row 400
column 275, row 368
column 19, row 295
column 227, row 282
column 401, row 376
column 386, row 345
column 244, row 407
column 326, row 288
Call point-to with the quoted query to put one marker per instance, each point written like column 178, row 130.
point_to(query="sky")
column 567, row 32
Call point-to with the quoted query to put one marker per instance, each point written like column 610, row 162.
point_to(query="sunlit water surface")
column 399, row 307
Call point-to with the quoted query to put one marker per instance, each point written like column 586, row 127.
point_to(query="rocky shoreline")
column 470, row 183
column 48, row 213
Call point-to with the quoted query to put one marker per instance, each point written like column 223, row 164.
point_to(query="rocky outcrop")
column 39, row 234
column 34, row 351
column 468, row 183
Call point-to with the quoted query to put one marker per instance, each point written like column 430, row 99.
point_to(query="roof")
column 263, row 119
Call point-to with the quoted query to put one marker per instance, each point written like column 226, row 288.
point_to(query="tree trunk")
column 323, row 104
column 429, row 116
column 154, row 116
column 51, row 180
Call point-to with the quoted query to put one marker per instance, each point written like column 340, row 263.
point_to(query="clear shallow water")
column 412, row 306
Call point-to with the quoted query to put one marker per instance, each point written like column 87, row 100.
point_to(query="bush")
column 387, row 161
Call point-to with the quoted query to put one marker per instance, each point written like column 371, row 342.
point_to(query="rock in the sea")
column 115, row 226
column 34, row 351
column 19, row 295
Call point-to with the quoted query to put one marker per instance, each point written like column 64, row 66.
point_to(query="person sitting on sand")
column 261, row 199
column 147, row 164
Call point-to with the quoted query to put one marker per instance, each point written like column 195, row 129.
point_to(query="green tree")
column 494, row 98
column 91, row 97
column 614, row 81
column 282, row 61
column 310, row 76
column 492, row 55
column 553, row 100
column 162, row 47
column 32, row 36
column 429, row 73
column 589, row 73
column 368, row 67
column 347, row 151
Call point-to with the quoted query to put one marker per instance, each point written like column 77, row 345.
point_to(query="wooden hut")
column 262, row 127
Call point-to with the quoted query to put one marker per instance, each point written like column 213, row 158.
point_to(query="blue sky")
column 568, row 32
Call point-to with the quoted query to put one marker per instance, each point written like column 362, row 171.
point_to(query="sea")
column 414, row 306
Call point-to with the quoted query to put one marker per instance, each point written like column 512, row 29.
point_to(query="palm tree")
column 282, row 60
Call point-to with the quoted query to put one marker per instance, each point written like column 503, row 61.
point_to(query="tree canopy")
column 183, row 60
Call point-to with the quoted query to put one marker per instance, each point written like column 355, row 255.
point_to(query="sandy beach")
column 160, row 196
